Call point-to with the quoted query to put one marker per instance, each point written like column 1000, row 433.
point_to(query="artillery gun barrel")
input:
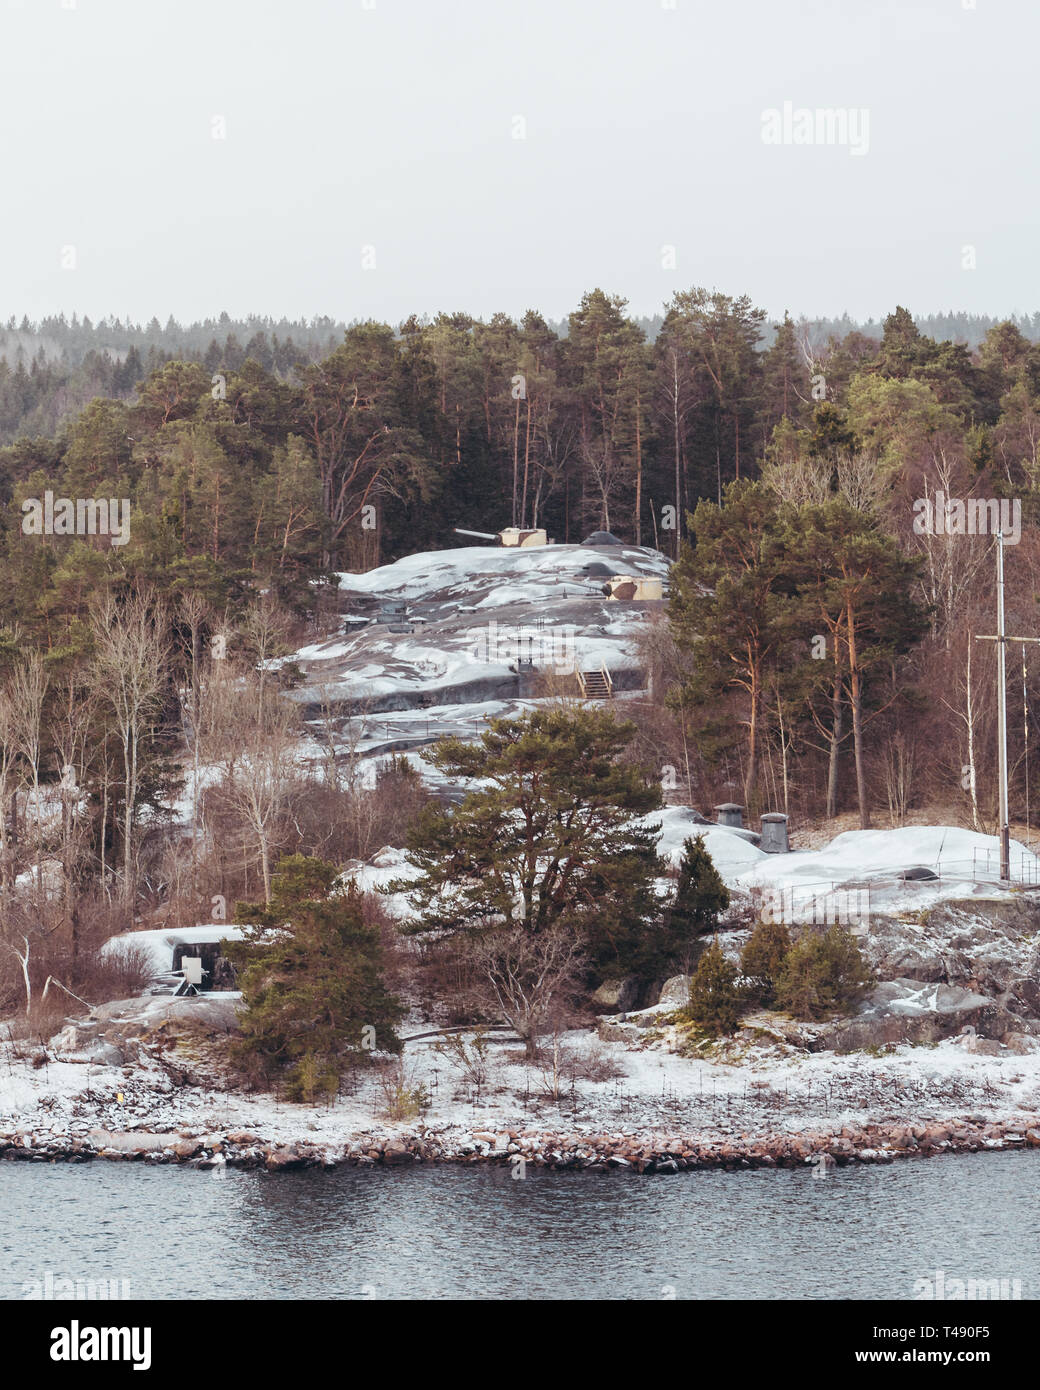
column 484, row 535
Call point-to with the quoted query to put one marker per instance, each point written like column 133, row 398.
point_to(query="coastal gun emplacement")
column 509, row 536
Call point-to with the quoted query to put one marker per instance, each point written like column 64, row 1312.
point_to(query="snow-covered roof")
column 964, row 861
column 161, row 944
column 731, row 849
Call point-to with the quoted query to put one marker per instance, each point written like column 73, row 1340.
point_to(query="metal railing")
column 984, row 867
column 833, row 900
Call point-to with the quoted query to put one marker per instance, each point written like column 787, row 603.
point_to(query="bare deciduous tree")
column 29, row 692
column 265, row 632
column 529, row 976
column 70, row 735
column 8, row 774
column 799, row 480
column 861, row 480
column 131, row 657
column 265, row 770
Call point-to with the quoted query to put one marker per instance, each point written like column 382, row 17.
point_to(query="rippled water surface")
column 475, row 1232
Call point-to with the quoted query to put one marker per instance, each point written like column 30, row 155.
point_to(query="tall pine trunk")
column 678, row 453
column 856, row 691
column 527, row 464
column 516, row 462
column 639, row 475
column 751, row 781
column 837, row 719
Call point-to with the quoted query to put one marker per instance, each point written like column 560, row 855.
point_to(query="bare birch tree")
column 29, row 692
column 265, row 770
column 130, row 667
column 8, row 776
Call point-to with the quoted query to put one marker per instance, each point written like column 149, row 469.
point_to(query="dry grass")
column 404, row 1096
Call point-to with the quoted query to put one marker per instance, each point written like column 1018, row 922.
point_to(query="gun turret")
column 509, row 537
column 484, row 535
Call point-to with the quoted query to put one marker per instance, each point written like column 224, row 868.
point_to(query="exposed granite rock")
column 615, row 996
column 675, row 993
column 987, row 945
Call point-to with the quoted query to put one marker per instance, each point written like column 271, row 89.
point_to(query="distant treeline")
column 793, row 468
column 266, row 458
column 50, row 369
column 271, row 342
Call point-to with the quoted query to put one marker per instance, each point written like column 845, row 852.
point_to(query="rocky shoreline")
column 661, row 1153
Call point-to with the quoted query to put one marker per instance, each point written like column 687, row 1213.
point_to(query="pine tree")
column 715, row 999
column 607, row 365
column 786, row 387
column 711, row 340
column 729, row 610
column 822, row 974
column 700, row 896
column 312, row 983
column 763, row 958
column 552, row 837
column 856, row 586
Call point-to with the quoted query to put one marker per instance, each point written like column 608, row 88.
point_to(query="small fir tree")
column 823, row 974
column 715, row 999
column 700, row 896
column 312, row 984
column 762, row 960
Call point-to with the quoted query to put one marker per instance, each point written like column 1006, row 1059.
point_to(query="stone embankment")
column 658, row 1153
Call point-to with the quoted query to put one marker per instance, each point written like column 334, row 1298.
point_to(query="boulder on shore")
column 675, row 993
column 119, row 1141
column 616, row 996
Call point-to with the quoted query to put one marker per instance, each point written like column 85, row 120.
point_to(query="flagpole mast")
column 1001, row 639
column 1005, row 819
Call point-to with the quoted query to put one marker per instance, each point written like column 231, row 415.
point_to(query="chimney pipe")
column 774, row 834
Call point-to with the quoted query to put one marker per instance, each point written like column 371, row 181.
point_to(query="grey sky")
column 390, row 124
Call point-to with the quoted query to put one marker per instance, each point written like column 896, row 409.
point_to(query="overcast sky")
column 385, row 131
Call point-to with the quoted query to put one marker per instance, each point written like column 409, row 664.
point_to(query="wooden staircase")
column 596, row 685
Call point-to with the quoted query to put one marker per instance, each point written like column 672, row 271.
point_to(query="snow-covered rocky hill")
column 432, row 647
column 473, row 612
column 943, row 1053
column 437, row 642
